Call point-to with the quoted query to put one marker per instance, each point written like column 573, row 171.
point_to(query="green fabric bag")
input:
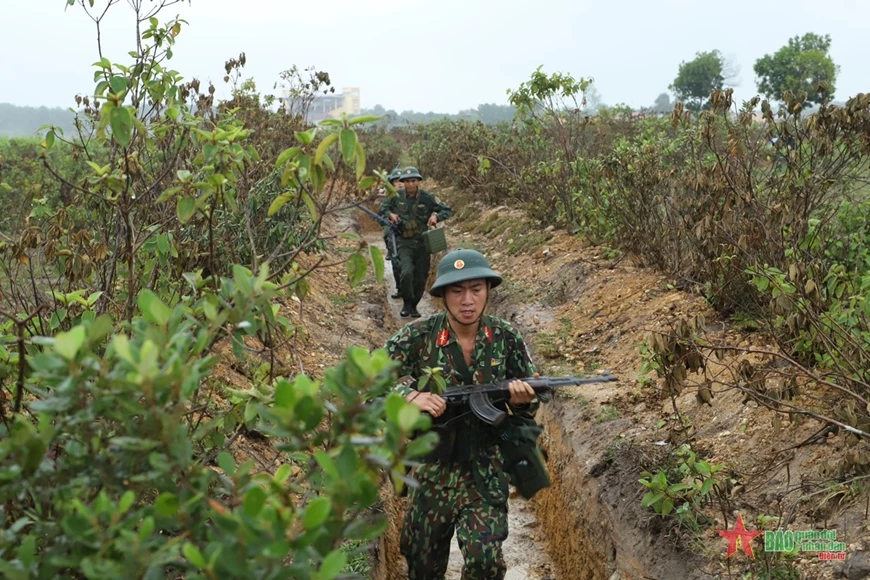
column 523, row 462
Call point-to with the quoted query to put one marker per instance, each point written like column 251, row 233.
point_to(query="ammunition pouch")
column 518, row 440
column 408, row 229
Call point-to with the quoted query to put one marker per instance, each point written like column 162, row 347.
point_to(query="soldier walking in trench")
column 393, row 178
column 463, row 483
column 415, row 210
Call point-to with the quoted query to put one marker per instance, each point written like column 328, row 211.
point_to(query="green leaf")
column 309, row 203
column 166, row 504
column 282, row 474
column 92, row 299
column 763, row 283
column 121, row 346
column 324, row 145
column 650, row 498
column 422, row 445
column 408, row 418
column 118, row 84
column 67, row 344
column 251, row 410
column 326, row 463
column 667, row 506
column 185, row 208
column 302, row 288
column 377, row 262
column 332, row 565
column 285, row 394
column 348, row 144
column 279, row 202
column 350, row 236
column 367, row 182
column 360, row 161
column 318, row 178
column 163, row 244
column 126, row 501
column 356, row 269
column 306, row 137
column 287, row 155
column 363, row 119
column 395, row 403
column 317, row 512
column 26, row 551
column 255, row 499
column 226, row 462
column 146, row 529
column 121, row 121
column 193, row 555
column 49, row 139
column 153, row 309
column 706, row 486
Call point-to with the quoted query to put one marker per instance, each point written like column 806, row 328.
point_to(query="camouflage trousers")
column 449, row 499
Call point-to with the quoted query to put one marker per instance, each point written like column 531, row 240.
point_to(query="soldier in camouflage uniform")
column 393, row 178
column 416, row 210
column 463, row 486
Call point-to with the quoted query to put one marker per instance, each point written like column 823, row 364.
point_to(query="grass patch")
column 340, row 300
column 527, row 243
column 358, row 558
column 607, row 413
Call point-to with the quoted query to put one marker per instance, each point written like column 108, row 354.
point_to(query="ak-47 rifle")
column 481, row 397
column 394, row 228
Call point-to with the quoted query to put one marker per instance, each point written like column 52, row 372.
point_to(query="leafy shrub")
column 116, row 437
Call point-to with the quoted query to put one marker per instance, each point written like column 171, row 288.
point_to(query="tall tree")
column 697, row 78
column 801, row 66
column 663, row 104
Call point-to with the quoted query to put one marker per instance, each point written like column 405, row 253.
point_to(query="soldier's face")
column 411, row 185
column 396, row 184
column 466, row 300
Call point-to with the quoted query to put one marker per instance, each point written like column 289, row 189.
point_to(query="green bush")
column 181, row 234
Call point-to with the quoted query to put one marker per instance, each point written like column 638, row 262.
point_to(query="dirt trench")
column 525, row 549
column 590, row 521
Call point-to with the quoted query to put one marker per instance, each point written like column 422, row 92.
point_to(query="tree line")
column 802, row 65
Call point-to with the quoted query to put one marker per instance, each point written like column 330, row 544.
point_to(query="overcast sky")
column 433, row 55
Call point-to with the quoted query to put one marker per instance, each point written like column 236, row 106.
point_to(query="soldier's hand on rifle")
column 394, row 218
column 521, row 392
column 429, row 402
column 433, row 219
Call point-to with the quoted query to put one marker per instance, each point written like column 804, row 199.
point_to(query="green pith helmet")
column 396, row 174
column 459, row 266
column 409, row 173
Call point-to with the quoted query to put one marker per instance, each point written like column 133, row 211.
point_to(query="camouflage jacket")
column 429, row 343
column 414, row 211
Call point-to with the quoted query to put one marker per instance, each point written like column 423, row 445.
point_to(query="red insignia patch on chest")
column 443, row 337
column 488, row 333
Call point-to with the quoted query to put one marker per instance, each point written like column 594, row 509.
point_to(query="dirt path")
column 525, row 549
